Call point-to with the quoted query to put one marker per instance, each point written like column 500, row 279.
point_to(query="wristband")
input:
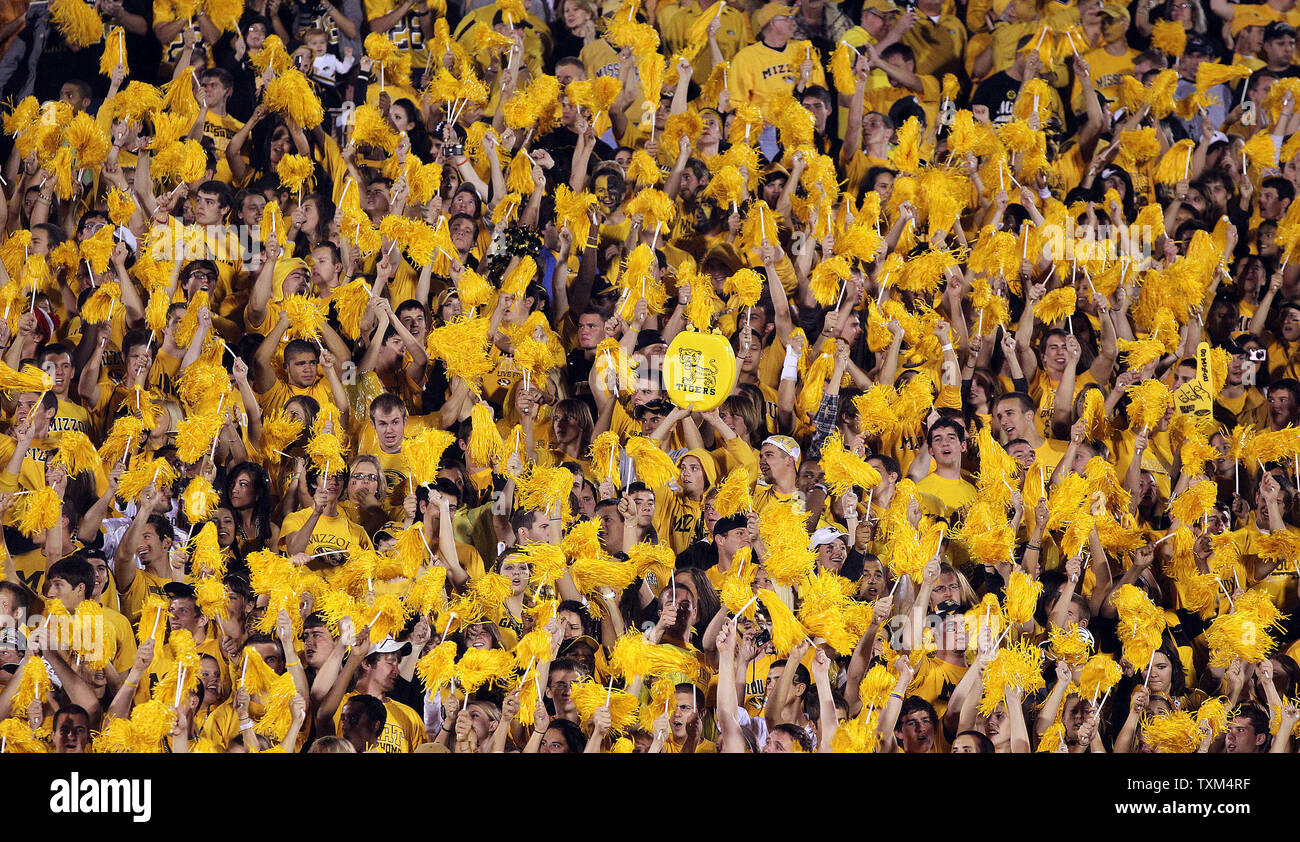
column 1034, row 547
column 790, row 367
column 288, row 664
column 245, row 724
column 945, row 347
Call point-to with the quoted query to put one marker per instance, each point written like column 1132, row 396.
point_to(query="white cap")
column 125, row 235
column 826, row 535
column 388, row 645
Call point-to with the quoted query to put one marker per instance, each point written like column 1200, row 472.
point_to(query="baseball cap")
column 1114, row 11
column 1276, row 29
column 46, row 323
column 569, row 645
column 884, row 7
column 388, row 645
column 659, row 406
column 1201, row 46
column 764, row 15
column 646, row 338
column 785, row 444
column 726, row 524
column 825, row 535
column 124, row 235
column 178, row 590
column 443, row 297
column 14, row 638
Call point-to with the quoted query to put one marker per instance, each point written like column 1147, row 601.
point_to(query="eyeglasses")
column 366, row 477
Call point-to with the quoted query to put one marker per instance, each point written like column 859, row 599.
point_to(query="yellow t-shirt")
column 1043, row 390
column 329, row 533
column 675, row 23
column 934, row 681
column 70, row 416
column 600, row 59
column 759, row 73
column 1107, row 70
column 281, row 393
column 938, row 44
column 676, row 518
column 220, row 130
column 133, row 595
column 953, row 494
column 403, row 731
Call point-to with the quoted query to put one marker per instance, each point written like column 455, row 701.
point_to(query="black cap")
column 178, row 590
column 1202, row 46
column 1276, row 29
column 659, row 406
column 948, row 607
column 726, row 524
column 646, row 338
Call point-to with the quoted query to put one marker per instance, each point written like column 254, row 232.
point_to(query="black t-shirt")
column 701, row 554
column 60, row 62
column 998, row 94
column 578, row 369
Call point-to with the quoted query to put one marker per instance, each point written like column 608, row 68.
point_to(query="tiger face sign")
column 699, row 370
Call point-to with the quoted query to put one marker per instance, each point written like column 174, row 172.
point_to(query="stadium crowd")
column 342, row 345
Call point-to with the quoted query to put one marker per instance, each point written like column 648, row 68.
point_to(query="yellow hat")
column 771, row 10
column 1115, row 11
column 885, row 7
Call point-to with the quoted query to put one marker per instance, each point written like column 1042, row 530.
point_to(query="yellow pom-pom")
column 653, row 466
column 733, row 494
column 845, row 470
column 294, row 170
column 1174, row 165
column 76, row 452
column 291, row 94
column 78, row 22
column 423, row 452
column 199, row 499
column 39, row 510
column 1176, row 732
column 1209, row 74
column 1017, row 665
column 589, row 696
column 1171, row 39
column 1149, row 401
column 787, row 631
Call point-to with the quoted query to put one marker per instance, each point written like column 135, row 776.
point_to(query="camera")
column 762, row 637
column 1257, row 355
column 454, row 149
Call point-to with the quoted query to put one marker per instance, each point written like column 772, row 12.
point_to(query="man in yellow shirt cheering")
column 946, row 442
column 775, row 64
